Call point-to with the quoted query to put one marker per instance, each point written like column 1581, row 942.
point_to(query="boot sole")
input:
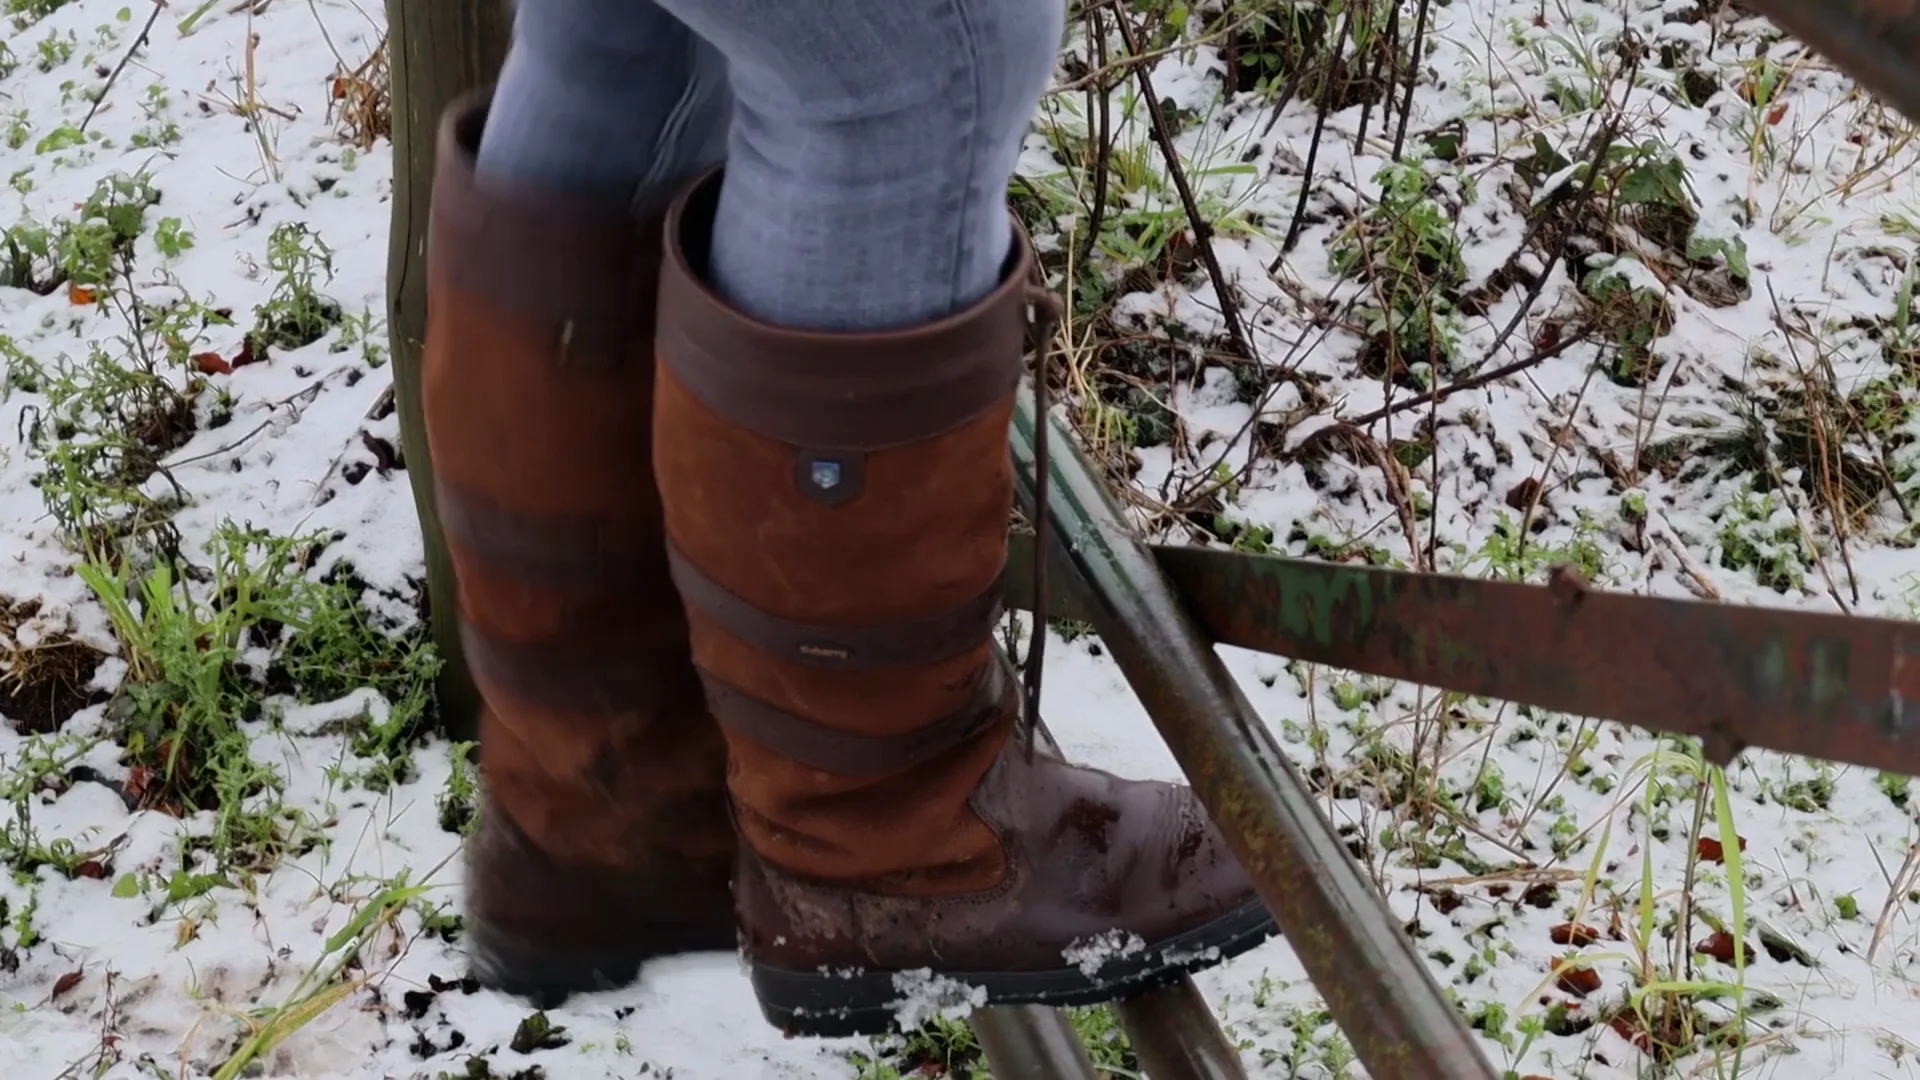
column 547, row 976
column 851, row 1002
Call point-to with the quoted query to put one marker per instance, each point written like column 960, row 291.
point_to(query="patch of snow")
column 167, row 958
column 1092, row 954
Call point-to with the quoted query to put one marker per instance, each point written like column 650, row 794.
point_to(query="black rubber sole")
column 547, row 977
column 852, row 1002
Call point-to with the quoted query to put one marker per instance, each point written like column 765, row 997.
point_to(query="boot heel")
column 821, row 1006
column 547, row 976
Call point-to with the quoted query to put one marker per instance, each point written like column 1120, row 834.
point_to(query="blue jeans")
column 868, row 143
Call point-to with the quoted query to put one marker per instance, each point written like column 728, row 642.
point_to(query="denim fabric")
column 868, row 143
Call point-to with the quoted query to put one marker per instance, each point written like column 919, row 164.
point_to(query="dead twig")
column 1313, row 146
column 1602, row 147
column 1413, row 77
column 1202, row 228
column 1362, row 445
column 1702, row 584
column 1101, row 99
column 1566, row 342
column 145, row 32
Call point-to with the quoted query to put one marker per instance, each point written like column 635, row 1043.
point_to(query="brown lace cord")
column 1047, row 313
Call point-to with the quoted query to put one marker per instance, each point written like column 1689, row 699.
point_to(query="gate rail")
column 1876, row 42
column 1377, row 988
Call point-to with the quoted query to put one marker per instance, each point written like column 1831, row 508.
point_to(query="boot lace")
column 1045, row 313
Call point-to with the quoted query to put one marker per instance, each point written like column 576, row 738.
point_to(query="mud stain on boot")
column 1094, row 822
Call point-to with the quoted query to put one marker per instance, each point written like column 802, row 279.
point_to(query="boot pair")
column 729, row 592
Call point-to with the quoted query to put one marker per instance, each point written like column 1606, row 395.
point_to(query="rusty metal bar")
column 1031, row 1042
column 1379, row 991
column 1838, row 687
column 1376, row 987
column 1877, row 42
column 1172, row 1029
column 1176, row 1037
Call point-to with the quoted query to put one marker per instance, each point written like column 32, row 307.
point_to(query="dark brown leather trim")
column 797, row 739
column 586, row 269
column 905, row 644
column 562, row 676
column 846, row 391
column 553, row 552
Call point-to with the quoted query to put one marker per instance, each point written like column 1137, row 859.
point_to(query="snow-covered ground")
column 1733, row 419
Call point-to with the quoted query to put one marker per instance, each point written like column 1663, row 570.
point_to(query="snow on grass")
column 1709, row 391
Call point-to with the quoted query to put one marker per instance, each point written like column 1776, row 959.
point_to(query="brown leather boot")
column 837, row 510
column 604, row 838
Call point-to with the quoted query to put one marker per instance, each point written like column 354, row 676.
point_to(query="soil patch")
column 46, row 681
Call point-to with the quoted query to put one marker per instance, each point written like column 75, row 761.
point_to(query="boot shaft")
column 837, row 506
column 604, row 834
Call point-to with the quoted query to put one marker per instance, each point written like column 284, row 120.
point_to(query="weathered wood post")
column 436, row 50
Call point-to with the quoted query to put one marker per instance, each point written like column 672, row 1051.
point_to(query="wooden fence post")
column 436, row 51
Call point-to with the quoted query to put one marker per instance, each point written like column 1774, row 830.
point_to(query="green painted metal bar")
column 1030, row 1042
column 1845, row 688
column 1877, row 42
column 1176, row 1037
column 1381, row 994
column 1374, row 984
